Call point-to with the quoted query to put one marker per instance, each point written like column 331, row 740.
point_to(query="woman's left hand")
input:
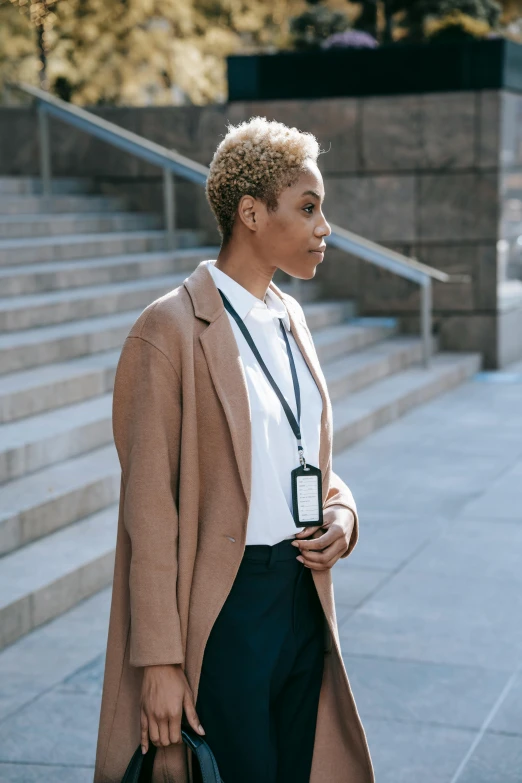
column 329, row 541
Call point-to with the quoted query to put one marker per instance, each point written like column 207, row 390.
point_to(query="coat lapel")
column 226, row 369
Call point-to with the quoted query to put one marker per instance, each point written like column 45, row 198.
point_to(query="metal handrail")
column 169, row 160
column 173, row 163
column 405, row 266
column 409, row 268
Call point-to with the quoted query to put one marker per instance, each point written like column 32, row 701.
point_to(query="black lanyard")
column 294, row 423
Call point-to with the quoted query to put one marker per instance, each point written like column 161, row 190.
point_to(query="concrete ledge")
column 57, row 276
column 41, row 389
column 30, row 185
column 46, row 578
column 36, row 505
column 42, row 225
column 53, row 307
column 355, row 371
column 38, row 441
column 36, row 205
column 358, row 415
column 74, row 246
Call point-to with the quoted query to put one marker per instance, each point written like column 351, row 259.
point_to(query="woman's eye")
column 310, row 206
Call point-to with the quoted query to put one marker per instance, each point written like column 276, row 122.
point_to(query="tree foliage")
column 160, row 52
column 316, row 24
column 422, row 20
column 136, row 52
column 418, row 14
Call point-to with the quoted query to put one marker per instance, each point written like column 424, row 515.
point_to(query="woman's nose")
column 323, row 230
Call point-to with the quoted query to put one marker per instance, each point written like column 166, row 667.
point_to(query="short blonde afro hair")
column 258, row 158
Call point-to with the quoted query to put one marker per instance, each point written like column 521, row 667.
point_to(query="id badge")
column 307, row 496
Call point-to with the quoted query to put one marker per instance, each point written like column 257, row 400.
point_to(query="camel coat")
column 181, row 423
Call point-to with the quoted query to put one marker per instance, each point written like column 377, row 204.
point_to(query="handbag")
column 141, row 764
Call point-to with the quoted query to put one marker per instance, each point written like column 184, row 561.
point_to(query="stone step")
column 37, row 347
column 358, row 370
column 44, row 345
column 43, row 501
column 40, row 389
column 47, row 656
column 33, row 185
column 358, row 415
column 38, row 441
column 12, row 204
column 49, row 576
column 60, row 225
column 70, row 247
column 57, row 276
column 332, row 342
column 36, row 505
column 52, row 386
column 42, row 439
column 56, row 307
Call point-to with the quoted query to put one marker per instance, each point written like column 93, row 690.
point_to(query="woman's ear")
column 247, row 212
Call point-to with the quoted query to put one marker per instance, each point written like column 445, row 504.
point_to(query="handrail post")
column 45, row 149
column 426, row 321
column 169, row 201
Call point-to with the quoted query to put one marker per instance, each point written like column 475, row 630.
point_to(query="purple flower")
column 356, row 39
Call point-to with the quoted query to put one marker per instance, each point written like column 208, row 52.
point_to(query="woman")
column 222, row 609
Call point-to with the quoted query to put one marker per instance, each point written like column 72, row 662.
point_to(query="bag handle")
column 141, row 764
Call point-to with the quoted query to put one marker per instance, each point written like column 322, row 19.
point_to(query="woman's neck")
column 248, row 271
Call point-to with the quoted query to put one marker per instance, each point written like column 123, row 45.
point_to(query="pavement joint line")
column 52, row 687
column 505, row 733
column 421, row 662
column 393, row 572
column 38, row 695
column 487, row 721
column 390, row 575
column 430, row 723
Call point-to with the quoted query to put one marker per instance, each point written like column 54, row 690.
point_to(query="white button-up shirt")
column 274, row 445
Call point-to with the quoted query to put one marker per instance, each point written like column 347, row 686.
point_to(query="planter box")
column 387, row 70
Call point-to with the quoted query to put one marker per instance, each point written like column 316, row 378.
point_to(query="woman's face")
column 293, row 237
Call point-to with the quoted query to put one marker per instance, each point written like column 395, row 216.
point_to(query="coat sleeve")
column 146, row 419
column 340, row 494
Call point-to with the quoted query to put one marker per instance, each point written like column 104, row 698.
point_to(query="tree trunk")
column 42, row 57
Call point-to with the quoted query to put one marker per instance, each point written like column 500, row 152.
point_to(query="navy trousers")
column 262, row 670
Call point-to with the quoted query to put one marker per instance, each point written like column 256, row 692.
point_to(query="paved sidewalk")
column 429, row 609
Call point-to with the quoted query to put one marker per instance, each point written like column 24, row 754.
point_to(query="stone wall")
column 429, row 175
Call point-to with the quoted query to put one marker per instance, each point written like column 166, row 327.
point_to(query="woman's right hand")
column 165, row 693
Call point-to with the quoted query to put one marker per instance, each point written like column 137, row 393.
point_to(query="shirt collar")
column 242, row 300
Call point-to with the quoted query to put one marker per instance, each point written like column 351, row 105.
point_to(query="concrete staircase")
column 76, row 270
